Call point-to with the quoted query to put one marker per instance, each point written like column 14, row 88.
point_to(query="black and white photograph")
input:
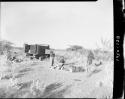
column 56, row 49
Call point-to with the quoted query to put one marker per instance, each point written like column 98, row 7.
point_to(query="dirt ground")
column 54, row 83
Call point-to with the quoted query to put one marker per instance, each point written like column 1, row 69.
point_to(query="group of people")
column 90, row 58
column 52, row 60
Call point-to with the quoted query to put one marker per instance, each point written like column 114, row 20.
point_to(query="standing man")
column 90, row 58
column 52, row 57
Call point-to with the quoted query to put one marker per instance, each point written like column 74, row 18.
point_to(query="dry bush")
column 74, row 60
column 106, row 45
column 5, row 46
column 105, row 50
column 77, row 49
column 7, row 49
column 71, row 57
column 5, row 65
column 79, row 57
column 103, row 55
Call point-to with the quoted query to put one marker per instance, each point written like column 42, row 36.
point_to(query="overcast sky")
column 57, row 23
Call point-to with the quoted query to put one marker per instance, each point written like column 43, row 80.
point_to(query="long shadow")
column 94, row 72
column 52, row 87
column 58, row 94
column 51, row 92
column 25, row 70
column 20, row 75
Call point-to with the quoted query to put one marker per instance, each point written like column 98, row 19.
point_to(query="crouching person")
column 61, row 63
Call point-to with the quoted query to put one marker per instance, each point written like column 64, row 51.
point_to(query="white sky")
column 57, row 23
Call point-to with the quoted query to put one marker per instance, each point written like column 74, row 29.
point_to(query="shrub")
column 5, row 46
column 106, row 45
column 105, row 50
